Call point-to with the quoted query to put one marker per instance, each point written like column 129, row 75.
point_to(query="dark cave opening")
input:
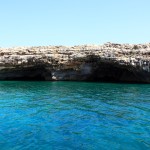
column 107, row 72
column 38, row 73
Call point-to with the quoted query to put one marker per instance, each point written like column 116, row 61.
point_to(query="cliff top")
column 86, row 47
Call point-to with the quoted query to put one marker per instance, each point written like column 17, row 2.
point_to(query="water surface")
column 74, row 116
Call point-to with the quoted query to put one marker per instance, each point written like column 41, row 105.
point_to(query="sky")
column 73, row 22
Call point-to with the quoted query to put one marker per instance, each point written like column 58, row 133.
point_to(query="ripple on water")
column 74, row 115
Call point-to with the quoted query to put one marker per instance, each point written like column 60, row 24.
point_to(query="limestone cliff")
column 109, row 62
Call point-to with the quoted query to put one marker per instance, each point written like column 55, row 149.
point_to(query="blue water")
column 74, row 116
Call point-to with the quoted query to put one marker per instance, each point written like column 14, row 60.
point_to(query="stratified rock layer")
column 109, row 62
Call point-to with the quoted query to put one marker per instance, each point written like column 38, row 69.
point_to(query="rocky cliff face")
column 109, row 62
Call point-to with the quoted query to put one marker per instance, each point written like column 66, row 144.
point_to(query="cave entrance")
column 106, row 72
column 38, row 73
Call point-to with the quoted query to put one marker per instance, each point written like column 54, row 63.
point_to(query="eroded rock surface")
column 109, row 62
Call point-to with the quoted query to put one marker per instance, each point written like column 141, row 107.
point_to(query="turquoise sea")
column 74, row 116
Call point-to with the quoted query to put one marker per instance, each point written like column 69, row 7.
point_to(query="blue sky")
column 73, row 22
